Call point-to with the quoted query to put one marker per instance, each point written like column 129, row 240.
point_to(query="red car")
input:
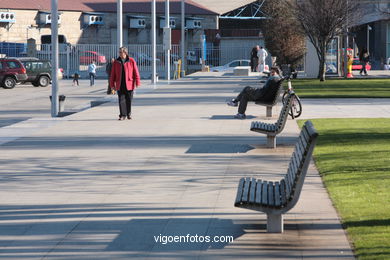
column 86, row 57
column 356, row 65
column 12, row 71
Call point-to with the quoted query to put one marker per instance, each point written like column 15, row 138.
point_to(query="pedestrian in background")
column 254, row 58
column 92, row 73
column 76, row 77
column 262, row 54
column 108, row 71
column 364, row 58
column 124, row 79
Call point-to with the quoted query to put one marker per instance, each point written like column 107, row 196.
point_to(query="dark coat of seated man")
column 264, row 94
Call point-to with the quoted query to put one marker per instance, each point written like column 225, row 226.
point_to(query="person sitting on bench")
column 264, row 94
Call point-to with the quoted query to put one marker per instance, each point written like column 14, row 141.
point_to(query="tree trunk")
column 322, row 69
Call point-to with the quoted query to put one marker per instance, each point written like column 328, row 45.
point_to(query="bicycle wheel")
column 284, row 96
column 296, row 107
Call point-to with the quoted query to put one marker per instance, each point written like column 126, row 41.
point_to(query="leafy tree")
column 282, row 33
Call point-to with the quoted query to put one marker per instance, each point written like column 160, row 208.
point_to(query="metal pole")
column 119, row 20
column 182, row 45
column 54, row 58
column 346, row 45
column 368, row 38
column 153, row 31
column 168, row 48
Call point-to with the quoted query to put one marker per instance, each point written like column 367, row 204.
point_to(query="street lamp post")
column 119, row 19
column 167, row 42
column 153, row 31
column 368, row 37
column 54, row 58
column 182, row 45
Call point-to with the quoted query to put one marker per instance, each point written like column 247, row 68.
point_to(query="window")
column 234, row 64
column 331, row 57
column 12, row 64
column 27, row 65
column 1, row 65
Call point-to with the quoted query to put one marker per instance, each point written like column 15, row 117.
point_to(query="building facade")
column 83, row 22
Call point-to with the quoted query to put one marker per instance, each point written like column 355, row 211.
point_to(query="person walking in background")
column 92, row 73
column 108, row 71
column 265, row 93
column 76, row 77
column 262, row 54
column 254, row 58
column 364, row 57
column 124, row 79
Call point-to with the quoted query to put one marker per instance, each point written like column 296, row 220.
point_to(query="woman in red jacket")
column 124, row 79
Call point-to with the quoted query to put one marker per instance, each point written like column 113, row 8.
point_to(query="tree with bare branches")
column 322, row 20
column 282, row 32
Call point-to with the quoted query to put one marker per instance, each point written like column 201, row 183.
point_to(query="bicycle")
column 296, row 108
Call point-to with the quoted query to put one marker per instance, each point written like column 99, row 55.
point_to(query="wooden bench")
column 274, row 101
column 271, row 130
column 276, row 198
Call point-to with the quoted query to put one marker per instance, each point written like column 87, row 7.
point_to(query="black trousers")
column 247, row 94
column 364, row 64
column 254, row 63
column 124, row 99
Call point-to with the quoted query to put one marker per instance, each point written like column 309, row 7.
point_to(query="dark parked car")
column 38, row 71
column 12, row 72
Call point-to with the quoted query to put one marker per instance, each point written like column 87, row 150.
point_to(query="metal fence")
column 76, row 58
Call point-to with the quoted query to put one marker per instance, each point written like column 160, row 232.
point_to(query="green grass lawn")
column 342, row 88
column 353, row 157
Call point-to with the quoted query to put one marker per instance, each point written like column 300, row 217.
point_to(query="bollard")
column 61, row 99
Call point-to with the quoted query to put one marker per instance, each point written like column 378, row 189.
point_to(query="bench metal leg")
column 269, row 111
column 271, row 141
column 274, row 223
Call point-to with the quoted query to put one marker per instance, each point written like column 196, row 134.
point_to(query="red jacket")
column 133, row 79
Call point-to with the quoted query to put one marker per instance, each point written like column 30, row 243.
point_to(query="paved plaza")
column 87, row 186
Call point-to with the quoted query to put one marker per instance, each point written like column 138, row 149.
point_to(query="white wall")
column 311, row 61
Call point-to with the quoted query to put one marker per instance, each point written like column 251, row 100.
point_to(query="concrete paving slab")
column 91, row 187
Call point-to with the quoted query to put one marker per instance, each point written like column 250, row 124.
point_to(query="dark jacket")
column 269, row 91
column 254, row 53
column 108, row 68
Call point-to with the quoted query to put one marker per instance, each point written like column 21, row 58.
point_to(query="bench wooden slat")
column 277, row 194
column 258, row 192
column 239, row 191
column 271, row 199
column 283, row 196
column 255, row 125
column 264, row 194
column 245, row 194
column 299, row 150
column 305, row 135
column 296, row 162
column 252, row 191
column 303, row 144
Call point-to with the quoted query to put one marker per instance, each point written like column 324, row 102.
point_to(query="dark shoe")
column 121, row 118
column 232, row 103
column 240, row 116
column 129, row 117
